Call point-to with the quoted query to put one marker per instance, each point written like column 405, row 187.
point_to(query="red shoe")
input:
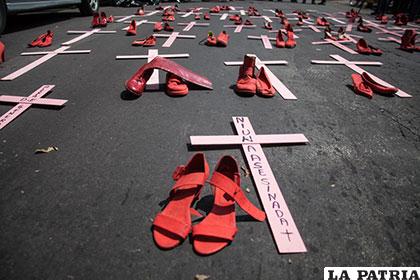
column 408, row 40
column 363, row 28
column 158, row 27
column 150, row 42
column 211, row 39
column 175, row 86
column 328, row 35
column 132, row 28
column 376, row 51
column 140, row 12
column 96, row 22
column 377, row 87
column 238, row 21
column 206, row 16
column 284, row 21
column 168, row 12
column 360, row 87
column 173, row 224
column 222, row 39
column 246, row 83
column 215, row 9
column 248, row 22
column 291, row 42
column 235, row 17
column 110, row 19
column 159, row 8
column 103, row 20
column 168, row 18
column 300, row 22
column 197, row 17
column 363, row 47
column 218, row 229
column 280, row 43
column 44, row 40
column 279, row 13
column 264, row 87
column 384, row 19
column 167, row 27
column 321, row 21
column 267, row 25
column 2, row 51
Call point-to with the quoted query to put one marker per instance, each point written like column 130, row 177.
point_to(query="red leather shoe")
column 206, row 16
column 360, row 87
column 110, row 19
column 167, row 27
column 2, row 51
column 291, row 42
column 321, row 21
column 246, row 83
column 96, row 21
column 175, row 86
column 173, row 224
column 132, row 28
column 158, row 27
column 211, row 39
column 43, row 40
column 363, row 47
column 150, row 42
column 218, row 229
column 235, row 17
column 140, row 12
column 248, row 22
column 222, row 39
column 280, row 43
column 215, row 10
column 377, row 87
column 264, row 87
column 137, row 82
column 267, row 25
column 408, row 40
column 376, row 51
column 103, row 20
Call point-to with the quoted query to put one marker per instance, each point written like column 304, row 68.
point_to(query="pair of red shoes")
column 218, row 229
column 362, row 47
column 401, row 19
column 43, row 40
column 148, row 42
column 132, row 28
column 101, row 21
column 252, row 11
column 291, row 42
column 365, row 85
column 408, row 41
column 321, row 21
column 221, row 40
column 249, row 84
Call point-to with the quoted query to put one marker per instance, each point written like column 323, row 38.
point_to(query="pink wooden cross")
column 25, row 102
column 239, row 27
column 192, row 12
column 171, row 38
column 138, row 23
column 338, row 44
column 46, row 56
column 277, row 84
column 333, row 18
column 286, row 234
column 266, row 18
column 149, row 13
column 191, row 24
column 265, row 40
column 353, row 66
column 85, row 34
column 153, row 82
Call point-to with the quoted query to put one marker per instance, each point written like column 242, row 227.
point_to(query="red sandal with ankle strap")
column 173, row 224
column 218, row 229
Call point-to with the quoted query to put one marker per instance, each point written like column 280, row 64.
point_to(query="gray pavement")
column 84, row 212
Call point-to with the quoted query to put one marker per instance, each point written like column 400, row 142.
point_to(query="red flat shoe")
column 158, row 27
column 360, row 87
column 246, row 82
column 222, row 39
column 197, row 17
column 96, row 21
column 211, row 39
column 110, row 19
column 218, row 229
column 132, row 28
column 215, row 10
column 104, row 20
column 173, row 224
column 291, row 42
column 234, row 17
column 280, row 43
column 175, row 86
column 43, row 40
column 321, row 21
column 2, row 51
column 267, row 25
column 167, row 27
column 376, row 51
column 264, row 87
column 206, row 16
column 362, row 47
column 377, row 87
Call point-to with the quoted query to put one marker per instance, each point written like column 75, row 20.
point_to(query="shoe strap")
column 187, row 181
column 218, row 231
column 233, row 190
column 172, row 225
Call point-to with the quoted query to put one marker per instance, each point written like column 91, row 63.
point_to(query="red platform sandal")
column 218, row 229
column 173, row 224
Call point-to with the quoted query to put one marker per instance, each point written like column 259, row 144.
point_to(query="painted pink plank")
column 85, row 34
column 282, row 225
column 124, row 18
column 238, row 28
column 187, row 14
column 368, row 63
column 223, row 16
column 153, row 82
column 32, row 65
column 314, row 28
column 266, row 42
column 349, row 27
column 258, row 139
column 265, row 62
column 189, row 26
column 17, row 110
column 27, row 100
column 390, row 39
column 338, row 45
column 170, row 40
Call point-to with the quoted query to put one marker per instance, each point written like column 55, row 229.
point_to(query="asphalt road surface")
column 86, row 210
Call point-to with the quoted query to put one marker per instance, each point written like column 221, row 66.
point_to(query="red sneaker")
column 211, row 39
column 167, row 27
column 291, row 42
column 96, row 22
column 175, row 86
column 362, row 47
column 206, row 16
column 246, row 83
column 377, row 87
column 223, row 39
column 44, row 40
column 158, row 27
column 132, row 28
column 104, row 20
column 360, row 87
column 2, row 51
column 267, row 25
column 264, row 87
column 280, row 43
